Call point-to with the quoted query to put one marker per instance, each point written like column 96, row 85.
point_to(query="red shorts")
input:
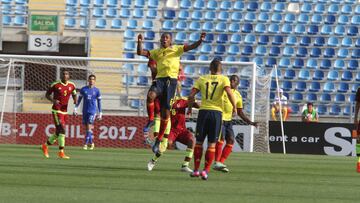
column 60, row 119
column 180, row 135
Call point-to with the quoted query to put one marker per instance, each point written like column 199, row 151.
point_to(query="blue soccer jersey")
column 92, row 100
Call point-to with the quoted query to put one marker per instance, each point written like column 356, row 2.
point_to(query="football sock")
column 52, row 139
column 358, row 151
column 163, row 126
column 189, row 154
column 226, row 152
column 61, row 139
column 150, row 110
column 197, row 156
column 209, row 158
column 156, row 125
column 90, row 137
column 156, row 157
column 218, row 150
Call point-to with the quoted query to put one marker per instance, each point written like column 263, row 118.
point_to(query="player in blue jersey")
column 92, row 102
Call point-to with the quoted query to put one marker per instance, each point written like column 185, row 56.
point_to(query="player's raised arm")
column 196, row 44
column 240, row 113
column 140, row 51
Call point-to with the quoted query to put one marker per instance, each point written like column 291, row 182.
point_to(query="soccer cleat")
column 358, row 167
column 92, row 146
column 151, row 165
column 85, row 147
column 204, row 175
column 186, row 169
column 148, row 126
column 225, row 170
column 195, row 174
column 62, row 155
column 155, row 147
column 45, row 150
column 218, row 166
column 148, row 141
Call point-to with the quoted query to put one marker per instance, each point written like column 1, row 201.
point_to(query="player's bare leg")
column 150, row 106
column 165, row 119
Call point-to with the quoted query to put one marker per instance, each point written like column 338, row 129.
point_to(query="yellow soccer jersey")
column 228, row 108
column 212, row 90
column 167, row 60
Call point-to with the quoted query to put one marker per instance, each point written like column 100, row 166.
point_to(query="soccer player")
column 276, row 106
column 178, row 132
column 92, row 101
column 167, row 58
column 227, row 129
column 309, row 114
column 208, row 124
column 61, row 91
column 357, row 127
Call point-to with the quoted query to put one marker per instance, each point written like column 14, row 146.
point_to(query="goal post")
column 124, row 84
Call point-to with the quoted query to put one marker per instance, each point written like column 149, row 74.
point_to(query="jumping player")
column 167, row 58
column 208, row 124
column 357, row 128
column 61, row 91
column 92, row 101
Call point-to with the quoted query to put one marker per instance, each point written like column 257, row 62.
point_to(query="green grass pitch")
column 120, row 175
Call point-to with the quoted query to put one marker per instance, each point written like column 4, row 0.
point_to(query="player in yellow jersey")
column 167, row 59
column 208, row 124
column 227, row 129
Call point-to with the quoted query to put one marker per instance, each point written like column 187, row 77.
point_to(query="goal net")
column 25, row 112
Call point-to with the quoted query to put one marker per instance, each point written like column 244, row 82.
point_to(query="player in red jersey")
column 61, row 91
column 178, row 132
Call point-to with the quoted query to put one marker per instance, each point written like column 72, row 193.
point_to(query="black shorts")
column 165, row 89
column 153, row 86
column 208, row 125
column 227, row 130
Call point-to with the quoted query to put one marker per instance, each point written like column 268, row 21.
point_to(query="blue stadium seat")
column 20, row 10
column 185, row 4
column 348, row 111
column 221, row 27
column 84, row 3
column 263, row 40
column 225, row 5
column 203, row 58
column 235, row 38
column 284, row 63
column 70, row 11
column 247, row 50
column 319, row 8
column 299, row 29
column 339, row 30
column 343, row 20
column 124, row 3
column 180, row 37
column 353, row 31
column 231, row 71
column 322, row 109
column 211, row 5
column 111, row 13
column 329, row 87
column 135, row 104
column 300, row 86
column 128, row 80
column 203, row 70
column 353, row 65
column 266, row 7
column 288, row 51
column 250, row 17
column 352, row 98
column 305, row 41
column 233, row 49
column 138, row 3
column 279, row 7
column 286, row 85
column 19, row 20
column 188, row 57
column 325, row 64
column 326, row 30
column 260, row 28
column 220, row 49
column 311, row 97
column 289, row 74
column 169, row 14
column 98, row 12
column 339, row 98
column 153, row 3
column 357, row 9
column 357, row 77
column 151, row 14
column 357, row 42
column 148, row 45
column 99, row 3
column 291, row 40
column 273, row 85
column 297, row 97
column 333, row 41
column 260, row 51
column 234, row 27
column 6, row 9
column 132, row 24
column 209, row 38
column 343, row 53
column 355, row 87
column 129, row 46
column 289, row 18
column 252, row 6
column 258, row 60
column 142, row 69
column 318, row 75
column 208, row 26
column 286, row 29
column 222, row 38
column 333, row 9
column 129, row 34
column 319, row 41
column 83, row 23
column 143, row 81
column 325, row 98
column 197, row 15
column 294, row 108
column 128, row 67
column 301, row 52
column 199, row 4
column 68, row 2
column 244, row 84
column 244, row 59
column 206, row 49
column 329, row 52
column 274, row 51
column 303, row 18
column 181, row 25
column 125, row 13
column 346, row 9
column 277, row 40
column 339, row 64
column 270, row 62
column 316, row 19
column 355, row 53
column 333, row 75
column 330, row 19
column 315, row 52
column 230, row 58
column 306, row 8
column 311, row 63
column 304, row 74
column 250, row 39
column 247, row 28
column 129, row 55
column 335, row 110
column 314, row 87
column 238, row 5
column 276, row 18
column 273, row 28
column 223, row 16
column 273, row 74
column 313, row 30
column 116, row 24
column 183, row 15
column 70, row 22
column 188, row 82
column 148, row 25
column 194, row 26
column 236, row 16
column 343, row 87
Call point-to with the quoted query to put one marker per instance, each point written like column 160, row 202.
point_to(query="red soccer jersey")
column 62, row 93
column 178, row 114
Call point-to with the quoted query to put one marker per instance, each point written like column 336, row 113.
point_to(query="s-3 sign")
column 46, row 43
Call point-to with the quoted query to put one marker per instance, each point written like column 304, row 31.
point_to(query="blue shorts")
column 227, row 130
column 165, row 89
column 88, row 118
column 208, row 125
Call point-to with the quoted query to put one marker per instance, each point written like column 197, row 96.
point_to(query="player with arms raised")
column 61, row 91
column 208, row 124
column 92, row 101
column 167, row 58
